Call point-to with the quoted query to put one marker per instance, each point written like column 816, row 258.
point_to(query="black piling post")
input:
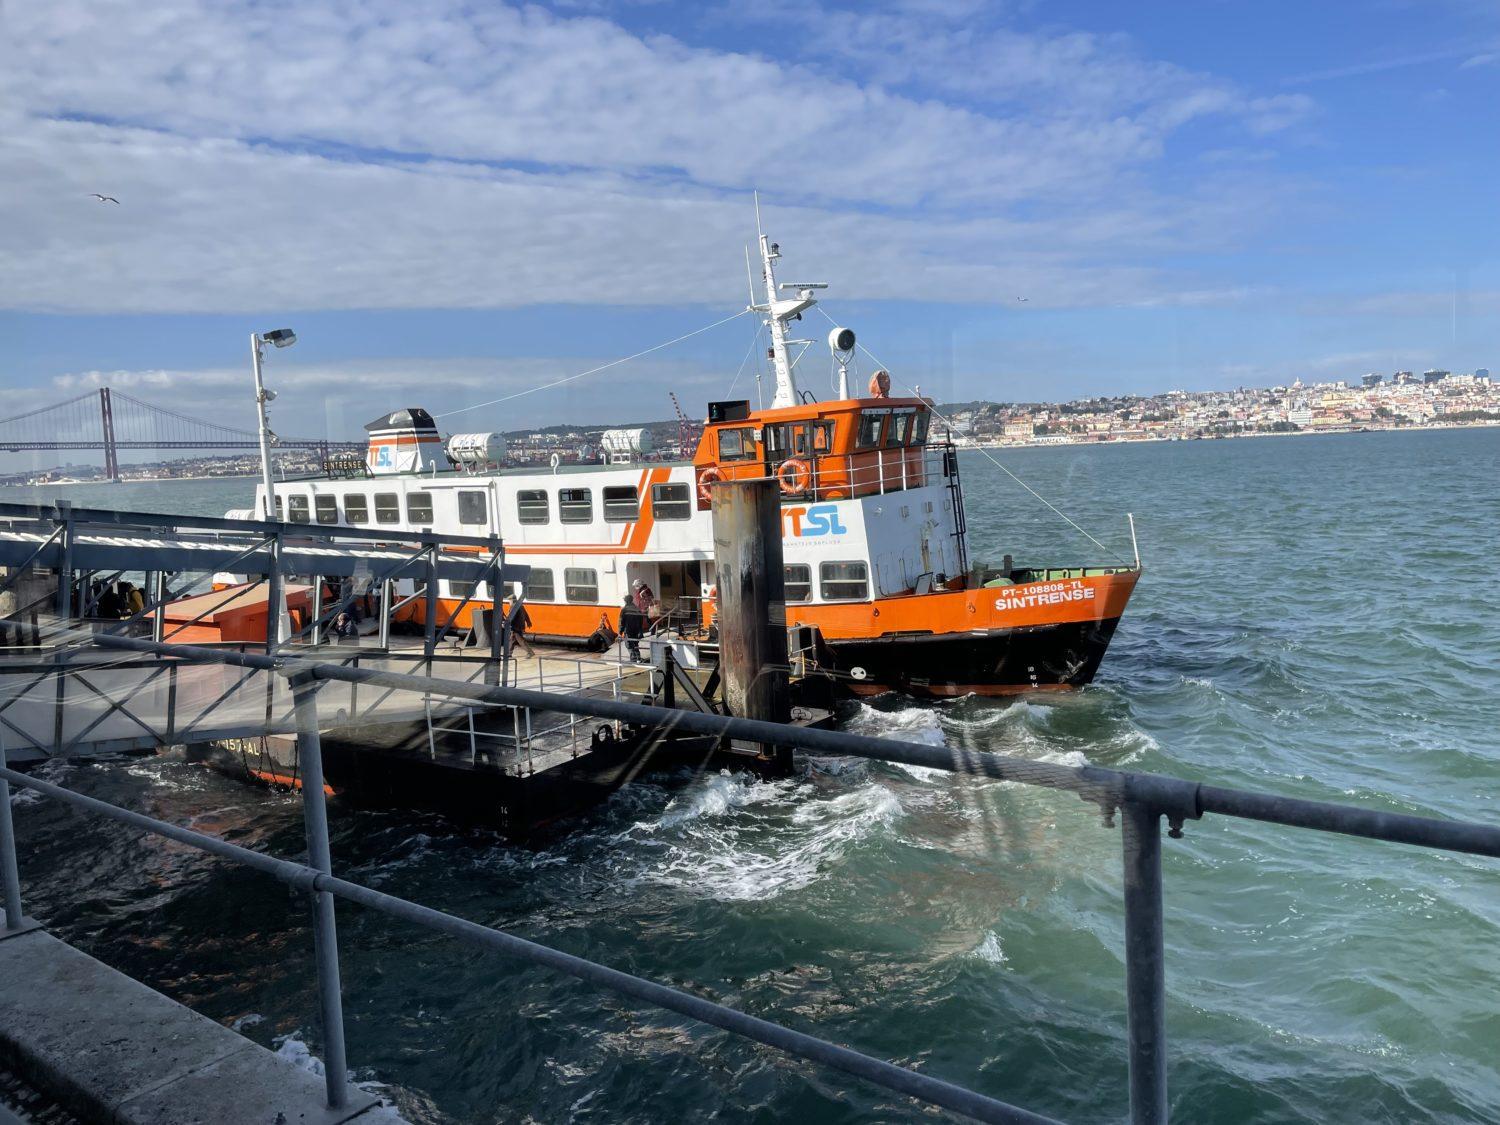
column 752, row 605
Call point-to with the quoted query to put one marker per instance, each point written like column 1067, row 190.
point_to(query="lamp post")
column 281, row 338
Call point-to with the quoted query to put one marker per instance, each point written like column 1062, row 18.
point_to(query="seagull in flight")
column 106, row 198
column 1018, row 298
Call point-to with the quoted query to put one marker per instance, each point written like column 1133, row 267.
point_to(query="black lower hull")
column 1038, row 658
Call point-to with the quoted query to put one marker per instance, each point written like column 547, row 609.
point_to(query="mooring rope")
column 986, row 453
column 595, row 370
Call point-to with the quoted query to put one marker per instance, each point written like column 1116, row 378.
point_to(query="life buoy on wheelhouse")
column 705, row 479
column 794, row 476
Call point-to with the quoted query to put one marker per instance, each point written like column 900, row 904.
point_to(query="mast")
column 778, row 313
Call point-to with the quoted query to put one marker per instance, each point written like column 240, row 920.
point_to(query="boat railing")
column 1140, row 801
column 843, row 476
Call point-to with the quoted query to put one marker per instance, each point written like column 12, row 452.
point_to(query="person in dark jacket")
column 345, row 631
column 632, row 627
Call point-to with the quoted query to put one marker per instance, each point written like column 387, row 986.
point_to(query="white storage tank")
column 476, row 449
column 625, row 442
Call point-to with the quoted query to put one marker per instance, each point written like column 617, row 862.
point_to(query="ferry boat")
column 877, row 569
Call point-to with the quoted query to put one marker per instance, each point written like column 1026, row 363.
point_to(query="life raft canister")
column 706, row 478
column 794, row 476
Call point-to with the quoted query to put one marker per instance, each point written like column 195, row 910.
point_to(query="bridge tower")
column 107, row 421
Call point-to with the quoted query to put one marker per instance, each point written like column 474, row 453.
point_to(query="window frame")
column 411, row 509
column 364, row 508
column 564, row 505
column 298, row 508
column 466, row 498
column 869, row 415
column 899, row 420
column 390, row 511
column 569, row 585
column 635, row 503
column 659, row 505
column 921, row 423
column 805, row 583
column 551, row 587
column 824, row 581
column 540, row 501
column 322, row 501
column 739, row 432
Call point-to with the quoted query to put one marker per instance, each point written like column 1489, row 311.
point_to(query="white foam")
column 295, row 1051
column 989, row 949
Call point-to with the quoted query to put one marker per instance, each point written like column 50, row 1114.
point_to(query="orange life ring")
column 794, row 475
column 706, row 478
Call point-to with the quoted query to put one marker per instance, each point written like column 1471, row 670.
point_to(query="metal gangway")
column 1140, row 803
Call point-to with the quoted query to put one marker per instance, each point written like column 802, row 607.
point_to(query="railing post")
column 1145, row 969
column 430, row 605
column 325, row 935
column 10, row 874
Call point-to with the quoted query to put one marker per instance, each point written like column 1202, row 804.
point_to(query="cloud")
column 383, row 155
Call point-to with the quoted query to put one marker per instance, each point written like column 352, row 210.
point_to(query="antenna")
column 749, row 275
column 758, row 232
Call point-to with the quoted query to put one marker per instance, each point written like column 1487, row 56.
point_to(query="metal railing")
column 1142, row 800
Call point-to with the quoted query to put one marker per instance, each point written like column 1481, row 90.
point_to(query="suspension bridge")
column 111, row 421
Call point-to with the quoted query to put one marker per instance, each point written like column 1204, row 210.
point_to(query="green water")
column 1319, row 617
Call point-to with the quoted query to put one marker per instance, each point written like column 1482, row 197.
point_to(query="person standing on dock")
column 632, row 626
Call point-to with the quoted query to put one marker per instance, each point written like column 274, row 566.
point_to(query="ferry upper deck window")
column 462, row 587
column 870, row 424
column 327, row 508
column 473, row 507
column 798, row 578
column 895, row 433
column 278, row 507
column 531, row 506
column 621, row 503
column 737, row 445
column 419, row 507
column 844, row 581
column 822, row 437
column 297, row 509
column 575, row 505
column 671, row 502
column 387, row 507
column 539, row 587
column 581, row 584
column 919, row 425
column 356, row 508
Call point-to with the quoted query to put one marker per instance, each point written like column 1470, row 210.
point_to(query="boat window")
column 844, row 581
column 822, row 437
column 779, row 441
column 531, row 506
column 278, row 507
column 356, row 508
column 622, row 503
column 297, row 510
column 671, row 502
column 870, row 422
column 462, row 588
column 473, row 507
column 327, row 508
column 419, row 507
column 798, row 582
column 895, row 433
column 581, row 584
column 387, row 507
column 737, row 445
column 575, row 505
column 919, row 428
column 539, row 586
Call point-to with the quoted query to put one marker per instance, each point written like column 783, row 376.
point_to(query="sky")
column 453, row 203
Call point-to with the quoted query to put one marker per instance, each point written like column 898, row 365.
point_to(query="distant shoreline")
column 1079, row 439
